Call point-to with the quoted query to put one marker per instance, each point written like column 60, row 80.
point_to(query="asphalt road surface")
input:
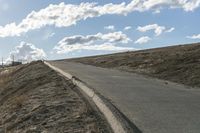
column 154, row 106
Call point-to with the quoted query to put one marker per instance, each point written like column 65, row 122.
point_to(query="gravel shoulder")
column 36, row 99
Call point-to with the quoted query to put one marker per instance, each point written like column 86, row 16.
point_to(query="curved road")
column 153, row 105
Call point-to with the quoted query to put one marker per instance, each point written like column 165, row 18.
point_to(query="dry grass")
column 37, row 99
column 5, row 76
column 19, row 101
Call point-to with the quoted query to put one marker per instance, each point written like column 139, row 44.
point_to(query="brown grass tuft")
column 5, row 76
column 19, row 101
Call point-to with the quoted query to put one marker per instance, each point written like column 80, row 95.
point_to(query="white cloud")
column 158, row 30
column 65, row 15
column 194, row 36
column 116, row 37
column 143, row 40
column 26, row 52
column 170, row 30
column 190, row 5
column 101, row 47
column 48, row 34
column 127, row 28
column 98, row 41
column 157, row 11
column 187, row 5
column 109, row 27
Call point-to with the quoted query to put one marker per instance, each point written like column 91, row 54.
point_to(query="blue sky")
column 100, row 29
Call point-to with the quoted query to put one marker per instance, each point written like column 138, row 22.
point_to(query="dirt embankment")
column 179, row 64
column 35, row 99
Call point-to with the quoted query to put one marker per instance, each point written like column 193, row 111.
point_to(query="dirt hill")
column 35, row 99
column 179, row 64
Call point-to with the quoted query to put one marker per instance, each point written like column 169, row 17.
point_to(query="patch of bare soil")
column 37, row 100
column 179, row 64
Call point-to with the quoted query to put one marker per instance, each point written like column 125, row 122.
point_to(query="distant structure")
column 10, row 63
column 15, row 63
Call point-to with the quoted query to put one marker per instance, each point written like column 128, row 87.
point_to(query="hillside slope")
column 35, row 99
column 179, row 64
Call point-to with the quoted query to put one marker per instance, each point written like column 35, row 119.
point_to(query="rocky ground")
column 35, row 99
column 179, row 64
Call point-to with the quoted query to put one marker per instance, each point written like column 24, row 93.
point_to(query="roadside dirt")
column 179, row 64
column 36, row 99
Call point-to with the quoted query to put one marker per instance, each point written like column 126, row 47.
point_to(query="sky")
column 41, row 29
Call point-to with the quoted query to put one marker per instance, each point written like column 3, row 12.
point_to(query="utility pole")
column 2, row 62
column 13, row 60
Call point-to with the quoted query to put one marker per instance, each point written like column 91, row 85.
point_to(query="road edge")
column 116, row 124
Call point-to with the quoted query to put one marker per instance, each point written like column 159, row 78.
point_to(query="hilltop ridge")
column 179, row 64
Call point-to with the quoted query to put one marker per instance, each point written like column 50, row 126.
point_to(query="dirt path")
column 38, row 100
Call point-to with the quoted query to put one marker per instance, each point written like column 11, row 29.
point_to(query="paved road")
column 151, row 104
